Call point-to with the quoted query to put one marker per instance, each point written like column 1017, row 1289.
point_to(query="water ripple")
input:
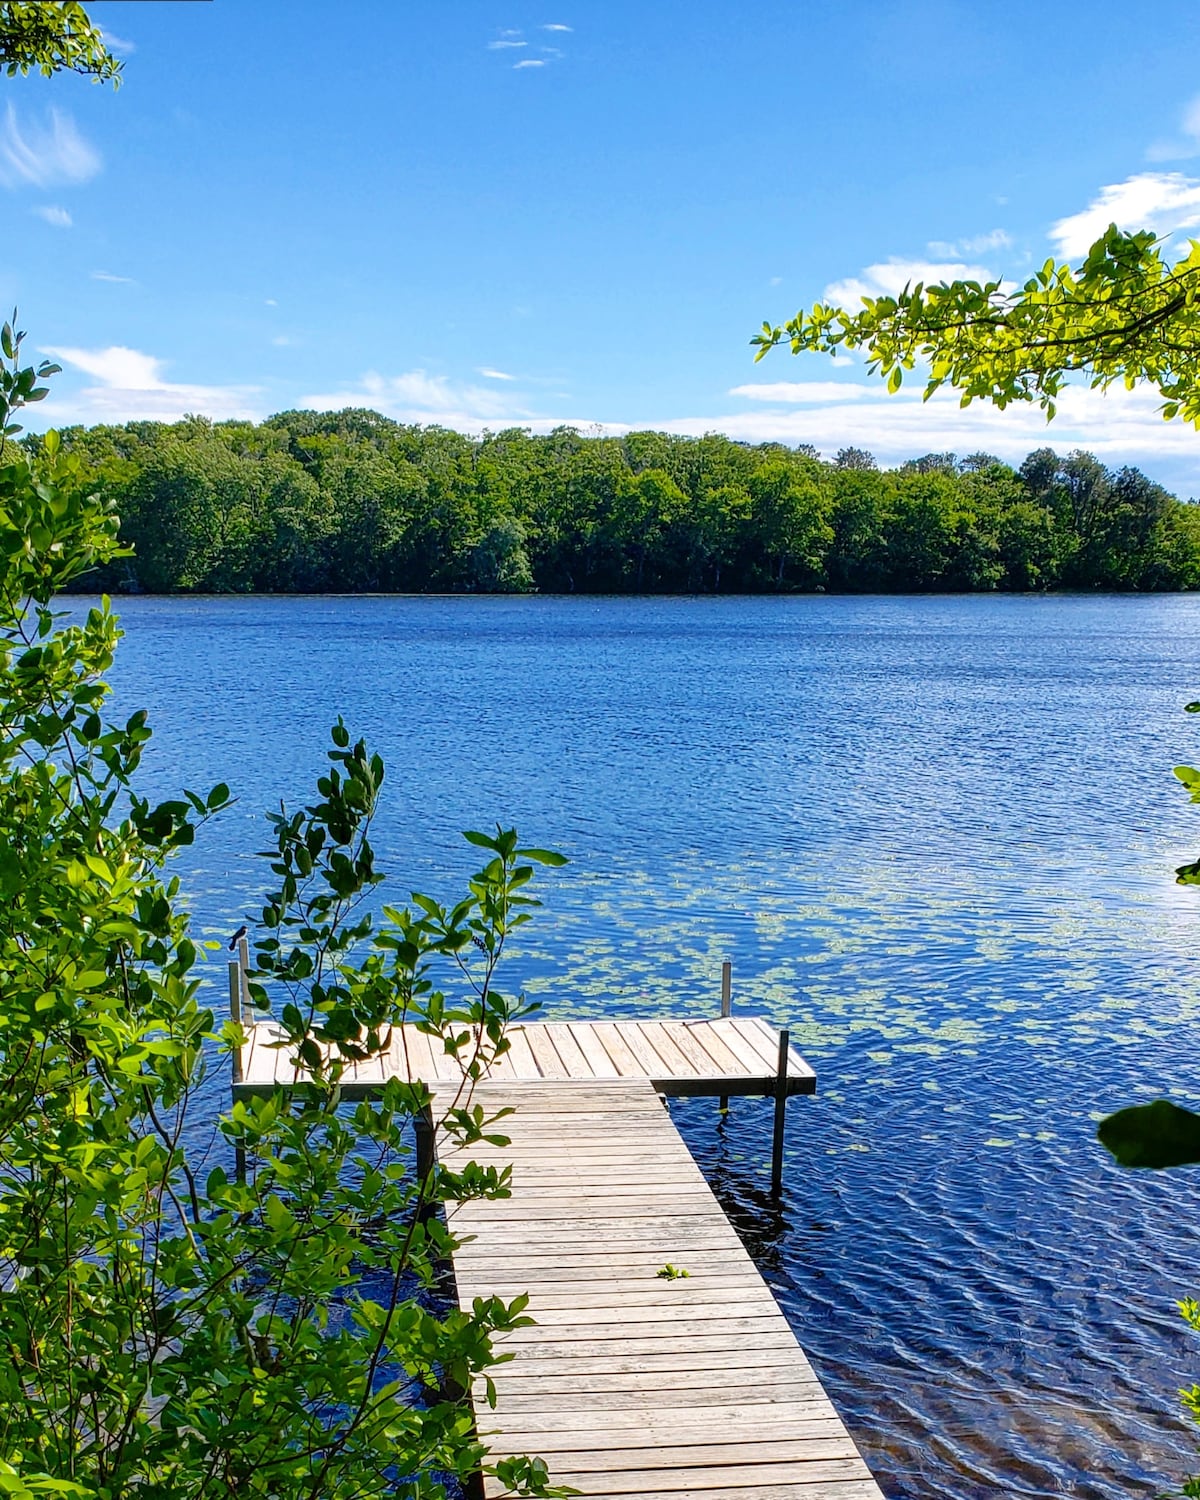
column 936, row 838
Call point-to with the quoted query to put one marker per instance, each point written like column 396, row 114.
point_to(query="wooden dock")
column 631, row 1384
column 718, row 1057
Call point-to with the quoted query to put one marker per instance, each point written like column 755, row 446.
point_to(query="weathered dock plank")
column 720, row 1057
column 630, row 1384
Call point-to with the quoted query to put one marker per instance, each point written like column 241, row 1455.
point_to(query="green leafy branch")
column 1124, row 315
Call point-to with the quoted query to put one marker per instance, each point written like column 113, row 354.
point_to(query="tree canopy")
column 52, row 38
column 1125, row 315
column 353, row 502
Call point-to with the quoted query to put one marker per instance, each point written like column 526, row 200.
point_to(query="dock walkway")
column 631, row 1384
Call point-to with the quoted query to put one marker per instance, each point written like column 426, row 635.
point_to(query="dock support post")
column 781, row 1094
column 236, row 1016
column 423, row 1123
column 726, row 1010
column 244, row 960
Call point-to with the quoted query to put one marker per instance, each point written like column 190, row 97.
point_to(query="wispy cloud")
column 1162, row 201
column 513, row 37
column 270, row 302
column 52, row 214
column 1186, row 143
column 42, row 155
column 108, row 276
column 493, row 374
column 116, row 43
column 131, row 388
column 420, row 397
column 807, row 392
column 889, row 278
column 978, row 244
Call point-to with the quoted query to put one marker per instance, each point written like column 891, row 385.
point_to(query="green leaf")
column 543, row 856
column 481, row 840
column 1161, row 1134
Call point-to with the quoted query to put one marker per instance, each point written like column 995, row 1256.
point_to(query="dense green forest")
column 352, row 501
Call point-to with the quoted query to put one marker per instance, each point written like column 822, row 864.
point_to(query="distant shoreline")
column 560, row 597
column 348, row 502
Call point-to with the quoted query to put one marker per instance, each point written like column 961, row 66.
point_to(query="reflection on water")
column 936, row 838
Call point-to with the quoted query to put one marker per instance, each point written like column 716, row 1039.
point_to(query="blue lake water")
column 936, row 837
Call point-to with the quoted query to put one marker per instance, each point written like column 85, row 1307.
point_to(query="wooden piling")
column 726, row 1012
column 244, row 960
column 423, row 1122
column 237, row 1016
column 781, row 1098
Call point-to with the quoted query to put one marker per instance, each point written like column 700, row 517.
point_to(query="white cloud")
column 808, row 391
column 499, row 46
column 131, row 388
column 420, row 397
column 494, row 374
column 43, row 155
column 889, row 278
column 1162, row 201
column 108, row 276
column 117, row 44
column 270, row 302
column 281, row 340
column 52, row 214
column 557, row 26
column 979, row 244
column 531, row 62
column 1186, row 143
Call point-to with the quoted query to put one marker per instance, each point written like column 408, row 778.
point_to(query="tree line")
column 352, row 501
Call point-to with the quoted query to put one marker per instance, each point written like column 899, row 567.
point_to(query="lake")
column 936, row 837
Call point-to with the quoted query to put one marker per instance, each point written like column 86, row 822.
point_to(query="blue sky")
column 526, row 213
